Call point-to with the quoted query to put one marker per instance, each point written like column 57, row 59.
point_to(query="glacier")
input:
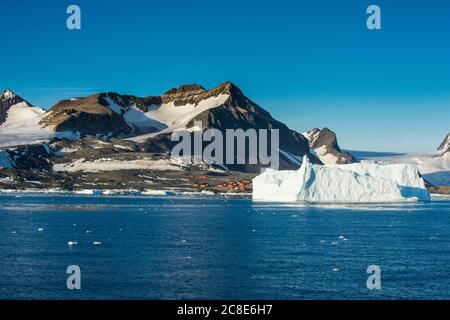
column 351, row 183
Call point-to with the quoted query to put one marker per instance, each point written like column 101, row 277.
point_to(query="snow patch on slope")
column 177, row 117
column 134, row 117
column 107, row 164
column 341, row 183
column 325, row 156
column 434, row 166
column 22, row 126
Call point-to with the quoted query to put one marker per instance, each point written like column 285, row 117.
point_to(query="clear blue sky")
column 310, row 63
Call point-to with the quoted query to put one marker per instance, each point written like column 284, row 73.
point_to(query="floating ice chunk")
column 72, row 243
column 365, row 182
column 207, row 193
column 149, row 192
column 96, row 243
column 40, row 229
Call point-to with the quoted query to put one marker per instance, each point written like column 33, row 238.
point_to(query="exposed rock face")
column 239, row 112
column 7, row 100
column 192, row 94
column 89, row 116
column 97, row 114
column 150, row 121
column 445, row 145
column 324, row 144
column 236, row 112
column 31, row 157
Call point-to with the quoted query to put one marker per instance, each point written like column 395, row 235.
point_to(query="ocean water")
column 219, row 248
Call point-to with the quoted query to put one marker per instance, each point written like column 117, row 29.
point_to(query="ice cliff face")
column 366, row 182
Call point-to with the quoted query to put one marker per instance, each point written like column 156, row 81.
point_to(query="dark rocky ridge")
column 327, row 139
column 239, row 112
column 92, row 115
column 103, row 129
column 445, row 145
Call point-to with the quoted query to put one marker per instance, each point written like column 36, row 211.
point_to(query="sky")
column 309, row 63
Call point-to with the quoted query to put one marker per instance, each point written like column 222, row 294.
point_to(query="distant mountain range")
column 110, row 132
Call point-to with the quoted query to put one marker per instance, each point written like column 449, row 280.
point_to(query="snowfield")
column 107, row 164
column 177, row 117
column 22, row 126
column 353, row 183
column 134, row 117
column 434, row 166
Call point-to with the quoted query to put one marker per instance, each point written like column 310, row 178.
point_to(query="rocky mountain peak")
column 325, row 145
column 8, row 99
column 192, row 94
column 186, row 88
column 7, row 94
column 445, row 145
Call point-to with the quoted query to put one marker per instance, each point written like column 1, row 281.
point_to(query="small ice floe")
column 88, row 231
column 72, row 243
column 294, row 216
column 150, row 192
column 334, row 243
column 40, row 229
column 183, row 241
column 322, row 241
column 97, row 243
column 13, row 232
column 254, row 230
column 74, row 224
column 341, row 237
column 335, row 269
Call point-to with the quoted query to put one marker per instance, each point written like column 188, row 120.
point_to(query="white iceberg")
column 352, row 183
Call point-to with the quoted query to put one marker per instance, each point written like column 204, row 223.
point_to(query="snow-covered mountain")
column 325, row 146
column 147, row 122
column 20, row 121
column 81, row 139
column 151, row 119
column 434, row 165
column 445, row 145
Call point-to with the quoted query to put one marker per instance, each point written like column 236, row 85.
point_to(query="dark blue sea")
column 220, row 248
